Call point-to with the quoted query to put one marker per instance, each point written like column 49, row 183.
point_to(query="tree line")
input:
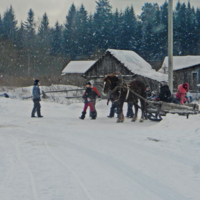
column 27, row 51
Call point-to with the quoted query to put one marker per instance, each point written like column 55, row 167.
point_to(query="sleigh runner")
column 157, row 109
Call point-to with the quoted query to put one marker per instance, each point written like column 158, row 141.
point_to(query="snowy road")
column 61, row 157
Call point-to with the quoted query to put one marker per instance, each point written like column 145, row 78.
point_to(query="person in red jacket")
column 97, row 95
column 181, row 93
column 89, row 97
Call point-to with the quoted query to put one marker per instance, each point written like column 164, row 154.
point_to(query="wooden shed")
column 185, row 69
column 129, row 64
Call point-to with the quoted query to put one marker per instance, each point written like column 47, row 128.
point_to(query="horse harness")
column 123, row 86
column 127, row 86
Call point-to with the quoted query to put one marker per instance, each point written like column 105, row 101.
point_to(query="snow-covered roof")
column 180, row 62
column 79, row 67
column 137, row 64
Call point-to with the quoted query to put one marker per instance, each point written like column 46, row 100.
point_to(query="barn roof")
column 78, row 67
column 180, row 62
column 136, row 64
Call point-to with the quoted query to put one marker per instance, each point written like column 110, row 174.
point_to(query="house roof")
column 180, row 62
column 137, row 64
column 78, row 67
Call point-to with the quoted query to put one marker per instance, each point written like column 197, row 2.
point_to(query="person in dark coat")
column 165, row 94
column 36, row 99
column 89, row 97
column 113, row 107
column 130, row 112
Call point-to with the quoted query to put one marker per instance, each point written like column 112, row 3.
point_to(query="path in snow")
column 62, row 157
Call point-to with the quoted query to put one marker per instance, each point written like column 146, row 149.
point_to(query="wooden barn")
column 185, row 69
column 129, row 64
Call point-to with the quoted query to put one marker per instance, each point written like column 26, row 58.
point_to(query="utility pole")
column 170, row 45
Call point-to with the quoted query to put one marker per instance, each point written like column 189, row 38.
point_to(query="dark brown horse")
column 126, row 93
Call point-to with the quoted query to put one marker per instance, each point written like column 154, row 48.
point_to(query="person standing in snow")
column 97, row 94
column 89, row 97
column 113, row 106
column 36, row 99
column 181, row 93
column 130, row 112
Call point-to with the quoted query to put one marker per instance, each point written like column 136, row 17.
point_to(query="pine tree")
column 190, row 37
column 198, row 31
column 115, row 40
column 164, row 30
column 44, row 26
column 180, row 30
column 9, row 25
column 56, row 45
column 129, row 29
column 90, row 35
column 70, row 33
column 44, row 34
column 30, row 24
column 82, row 26
column 29, row 27
column 1, row 27
column 151, row 29
column 20, row 37
column 102, row 23
column 30, row 41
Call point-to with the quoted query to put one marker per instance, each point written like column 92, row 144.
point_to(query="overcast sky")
column 58, row 9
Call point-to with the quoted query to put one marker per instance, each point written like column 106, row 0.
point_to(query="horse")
column 121, row 92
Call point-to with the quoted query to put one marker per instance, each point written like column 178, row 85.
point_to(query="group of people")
column 182, row 95
column 91, row 94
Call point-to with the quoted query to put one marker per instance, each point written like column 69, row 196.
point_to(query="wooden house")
column 129, row 64
column 186, row 69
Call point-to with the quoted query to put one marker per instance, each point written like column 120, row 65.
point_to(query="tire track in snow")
column 75, row 175
column 157, row 188
column 24, row 163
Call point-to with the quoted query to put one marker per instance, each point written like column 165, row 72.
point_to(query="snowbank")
column 20, row 93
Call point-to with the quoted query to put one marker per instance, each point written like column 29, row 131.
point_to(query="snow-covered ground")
column 60, row 157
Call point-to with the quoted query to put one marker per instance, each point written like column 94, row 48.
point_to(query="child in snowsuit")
column 97, row 94
column 181, row 93
column 89, row 99
column 36, row 99
column 148, row 91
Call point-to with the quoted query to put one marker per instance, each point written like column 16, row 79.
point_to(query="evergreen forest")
column 43, row 51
